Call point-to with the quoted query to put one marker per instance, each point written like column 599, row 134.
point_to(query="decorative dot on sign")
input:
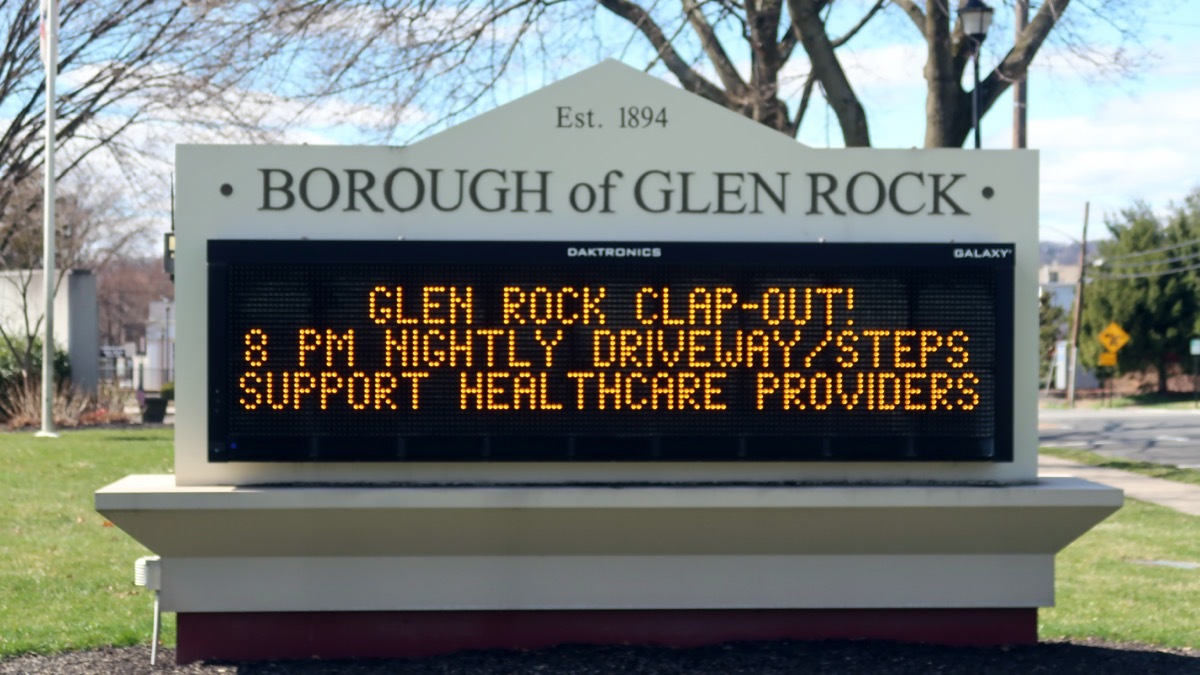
column 226, row 189
column 988, row 192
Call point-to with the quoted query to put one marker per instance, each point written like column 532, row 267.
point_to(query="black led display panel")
column 568, row 352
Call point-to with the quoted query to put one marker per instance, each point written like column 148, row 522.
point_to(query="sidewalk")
column 1182, row 497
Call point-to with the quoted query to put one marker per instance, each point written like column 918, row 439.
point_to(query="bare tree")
column 426, row 61
column 248, row 68
column 96, row 233
column 20, row 317
column 125, row 287
column 122, row 62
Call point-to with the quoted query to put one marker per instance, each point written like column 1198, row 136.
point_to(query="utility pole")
column 1019, row 142
column 1074, row 353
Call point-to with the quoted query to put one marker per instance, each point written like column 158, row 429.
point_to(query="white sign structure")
column 603, row 161
column 571, row 163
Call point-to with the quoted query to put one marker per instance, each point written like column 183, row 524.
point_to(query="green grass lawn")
column 66, row 579
column 1106, row 590
column 1104, row 585
column 1151, row 469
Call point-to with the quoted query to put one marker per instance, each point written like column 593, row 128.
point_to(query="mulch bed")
column 748, row 658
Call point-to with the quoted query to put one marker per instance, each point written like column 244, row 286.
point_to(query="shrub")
column 109, row 405
column 10, row 361
column 168, row 391
column 13, row 378
column 22, row 405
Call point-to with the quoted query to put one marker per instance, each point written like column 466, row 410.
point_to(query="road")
column 1140, row 434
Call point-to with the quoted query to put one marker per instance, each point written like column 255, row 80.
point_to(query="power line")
column 1182, row 258
column 1163, row 249
column 1144, row 275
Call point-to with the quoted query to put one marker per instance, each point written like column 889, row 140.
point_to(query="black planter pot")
column 154, row 411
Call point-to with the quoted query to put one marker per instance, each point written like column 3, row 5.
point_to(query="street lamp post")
column 976, row 17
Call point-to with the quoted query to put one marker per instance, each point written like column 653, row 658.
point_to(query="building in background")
column 117, row 365
column 1059, row 281
column 76, row 328
column 157, row 359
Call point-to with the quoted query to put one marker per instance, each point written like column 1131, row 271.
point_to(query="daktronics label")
column 532, row 351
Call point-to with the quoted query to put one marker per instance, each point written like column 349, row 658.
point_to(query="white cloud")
column 1123, row 150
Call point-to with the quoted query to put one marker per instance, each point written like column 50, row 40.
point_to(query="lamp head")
column 976, row 17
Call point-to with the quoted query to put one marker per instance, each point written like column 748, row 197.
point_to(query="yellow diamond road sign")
column 1113, row 337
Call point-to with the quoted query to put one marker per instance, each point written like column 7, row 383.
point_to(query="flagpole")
column 50, row 57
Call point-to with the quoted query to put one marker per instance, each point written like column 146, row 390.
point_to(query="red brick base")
column 331, row 635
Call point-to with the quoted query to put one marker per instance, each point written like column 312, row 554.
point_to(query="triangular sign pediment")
column 611, row 109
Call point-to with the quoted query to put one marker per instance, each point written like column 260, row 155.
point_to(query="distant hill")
column 1062, row 253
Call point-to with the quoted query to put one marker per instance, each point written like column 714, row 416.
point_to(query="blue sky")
column 1114, row 142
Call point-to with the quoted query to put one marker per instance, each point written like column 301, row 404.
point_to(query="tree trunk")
column 766, row 59
column 851, row 117
column 947, row 105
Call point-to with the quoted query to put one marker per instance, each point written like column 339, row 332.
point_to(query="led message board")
column 561, row 352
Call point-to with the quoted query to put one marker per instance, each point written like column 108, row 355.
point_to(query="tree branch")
column 733, row 83
column 857, row 27
column 802, row 107
column 914, row 12
column 1016, row 62
column 688, row 77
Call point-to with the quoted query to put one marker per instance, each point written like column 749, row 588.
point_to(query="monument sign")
column 608, row 363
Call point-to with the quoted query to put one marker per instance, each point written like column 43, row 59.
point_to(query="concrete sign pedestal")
column 304, row 571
